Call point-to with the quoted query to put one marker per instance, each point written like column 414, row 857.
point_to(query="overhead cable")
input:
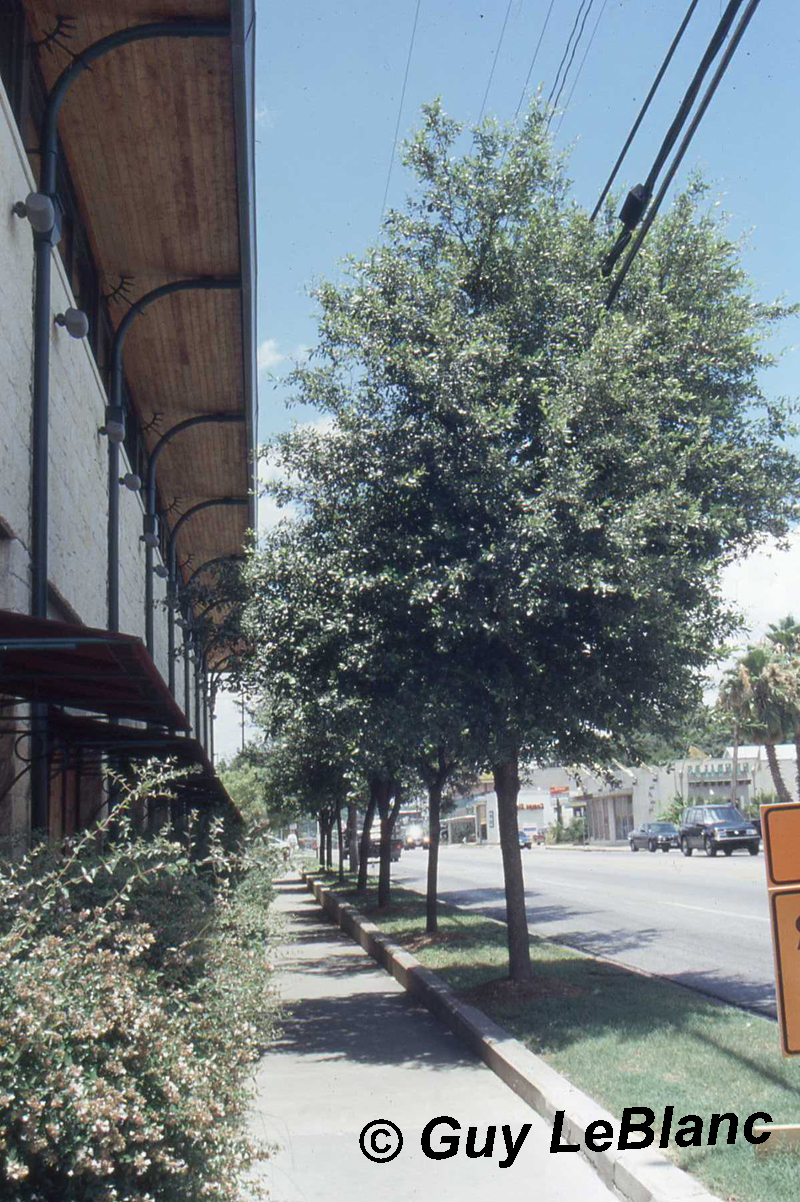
column 566, row 51
column 571, row 60
column 645, row 106
column 533, row 60
column 730, row 50
column 400, row 109
column 583, row 61
column 638, row 198
column 494, row 61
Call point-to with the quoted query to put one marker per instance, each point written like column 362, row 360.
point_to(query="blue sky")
column 329, row 80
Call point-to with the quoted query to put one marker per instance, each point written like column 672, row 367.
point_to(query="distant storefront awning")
column 61, row 663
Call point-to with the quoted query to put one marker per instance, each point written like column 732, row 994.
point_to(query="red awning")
column 59, row 663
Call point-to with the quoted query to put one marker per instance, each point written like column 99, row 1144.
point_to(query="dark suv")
column 715, row 828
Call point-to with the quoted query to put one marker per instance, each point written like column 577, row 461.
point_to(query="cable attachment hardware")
column 630, row 215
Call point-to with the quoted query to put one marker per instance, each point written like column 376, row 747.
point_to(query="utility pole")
column 242, row 705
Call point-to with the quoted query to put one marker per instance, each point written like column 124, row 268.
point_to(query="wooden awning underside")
column 158, row 140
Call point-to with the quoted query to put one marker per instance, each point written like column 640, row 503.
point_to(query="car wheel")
column 685, row 848
column 753, row 849
column 710, row 847
column 633, row 846
column 728, row 851
column 651, row 845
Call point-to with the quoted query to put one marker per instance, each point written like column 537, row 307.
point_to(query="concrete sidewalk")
column 356, row 1049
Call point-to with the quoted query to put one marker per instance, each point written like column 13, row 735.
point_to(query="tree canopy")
column 522, row 503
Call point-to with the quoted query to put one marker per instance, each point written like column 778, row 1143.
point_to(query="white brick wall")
column 78, row 490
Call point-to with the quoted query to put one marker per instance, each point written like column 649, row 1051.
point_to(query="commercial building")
column 127, row 357
column 629, row 796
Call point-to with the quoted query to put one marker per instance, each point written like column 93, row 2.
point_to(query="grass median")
column 623, row 1038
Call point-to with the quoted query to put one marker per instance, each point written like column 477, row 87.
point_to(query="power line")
column 533, row 60
column 684, row 146
column 639, row 197
column 572, row 59
column 400, row 109
column 566, row 51
column 583, row 60
column 494, row 61
column 645, row 106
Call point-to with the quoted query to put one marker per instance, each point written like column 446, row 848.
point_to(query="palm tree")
column 756, row 696
column 785, row 636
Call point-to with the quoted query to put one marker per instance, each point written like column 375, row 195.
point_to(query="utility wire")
column 533, row 60
column 566, row 51
column 639, row 197
column 583, row 60
column 572, row 59
column 684, row 146
column 400, row 110
column 494, row 61
column 645, row 106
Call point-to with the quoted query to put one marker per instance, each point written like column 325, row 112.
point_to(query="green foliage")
column 673, row 811
column 134, row 997
column 708, row 729
column 524, row 502
column 244, row 780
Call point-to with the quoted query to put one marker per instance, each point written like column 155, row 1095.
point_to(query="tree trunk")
column 735, row 781
column 506, row 786
column 388, row 814
column 780, row 787
column 362, row 867
column 435, row 826
column 340, row 840
column 329, row 843
column 352, row 828
column 321, row 847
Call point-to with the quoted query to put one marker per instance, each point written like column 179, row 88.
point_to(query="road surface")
column 700, row 921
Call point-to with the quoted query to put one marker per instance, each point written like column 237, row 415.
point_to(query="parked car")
column 715, row 828
column 524, row 839
column 654, row 836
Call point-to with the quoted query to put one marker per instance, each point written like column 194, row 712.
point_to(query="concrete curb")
column 639, row 1176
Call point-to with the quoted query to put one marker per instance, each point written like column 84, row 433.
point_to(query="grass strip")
column 625, row 1039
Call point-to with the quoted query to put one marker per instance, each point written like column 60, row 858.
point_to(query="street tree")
column 535, row 488
column 757, row 693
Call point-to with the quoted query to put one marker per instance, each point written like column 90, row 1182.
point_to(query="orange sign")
column 780, row 825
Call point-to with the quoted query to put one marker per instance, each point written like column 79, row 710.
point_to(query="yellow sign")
column 780, row 825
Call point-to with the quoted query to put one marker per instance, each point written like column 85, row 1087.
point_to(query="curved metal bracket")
column 199, row 283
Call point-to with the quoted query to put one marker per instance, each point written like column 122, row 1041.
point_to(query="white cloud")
column 764, row 586
column 265, row 117
column 269, row 355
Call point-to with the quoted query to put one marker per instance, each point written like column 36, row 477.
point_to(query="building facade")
column 127, row 387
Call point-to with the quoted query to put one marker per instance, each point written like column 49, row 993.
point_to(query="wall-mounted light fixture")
column 40, row 211
column 131, row 481
column 150, row 536
column 114, row 429
column 162, row 571
column 74, row 321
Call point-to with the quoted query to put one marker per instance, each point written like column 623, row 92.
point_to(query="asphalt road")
column 700, row 921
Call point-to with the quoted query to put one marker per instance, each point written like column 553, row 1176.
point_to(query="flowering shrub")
column 134, row 995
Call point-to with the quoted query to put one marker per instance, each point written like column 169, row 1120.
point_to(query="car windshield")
column 723, row 814
column 664, row 828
